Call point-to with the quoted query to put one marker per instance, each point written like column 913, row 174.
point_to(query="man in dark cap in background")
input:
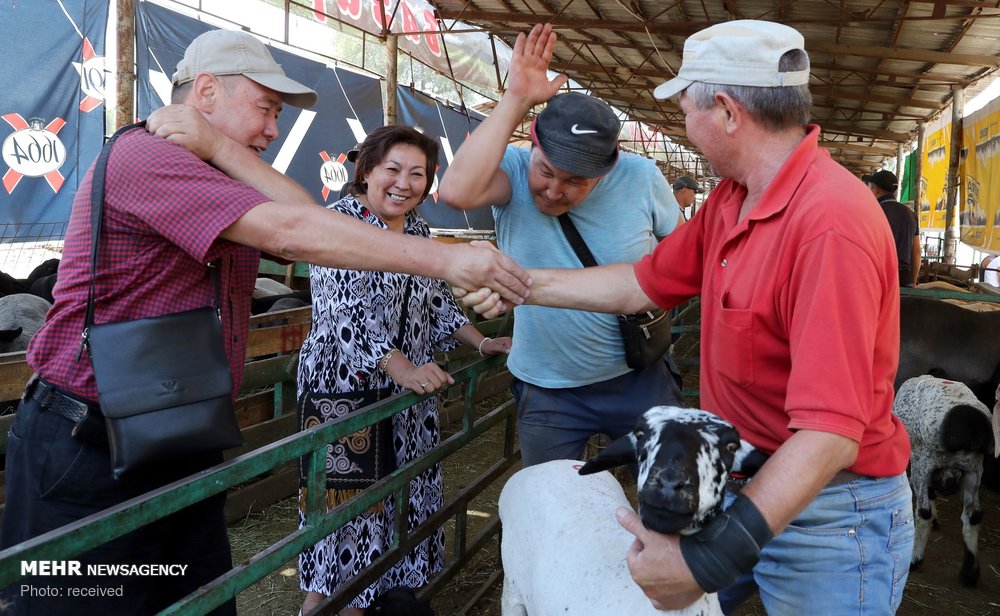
column 685, row 188
column 902, row 221
column 571, row 379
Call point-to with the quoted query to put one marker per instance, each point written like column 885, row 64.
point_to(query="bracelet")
column 481, row 343
column 727, row 547
column 384, row 362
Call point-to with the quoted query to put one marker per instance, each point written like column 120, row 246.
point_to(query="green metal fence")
column 80, row 536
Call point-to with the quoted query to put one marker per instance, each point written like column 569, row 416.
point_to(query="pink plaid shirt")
column 163, row 213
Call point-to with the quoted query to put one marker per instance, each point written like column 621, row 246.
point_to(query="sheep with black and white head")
column 564, row 552
column 684, row 458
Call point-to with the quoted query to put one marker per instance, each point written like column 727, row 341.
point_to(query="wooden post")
column 125, row 95
column 951, row 183
column 391, row 78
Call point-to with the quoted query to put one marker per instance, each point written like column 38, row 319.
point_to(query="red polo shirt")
column 799, row 308
column 163, row 213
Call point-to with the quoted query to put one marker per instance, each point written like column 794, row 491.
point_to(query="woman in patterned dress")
column 350, row 347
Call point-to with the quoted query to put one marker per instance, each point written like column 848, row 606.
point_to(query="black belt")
column 88, row 423
column 54, row 401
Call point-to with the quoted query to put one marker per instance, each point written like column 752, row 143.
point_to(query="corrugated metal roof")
column 879, row 68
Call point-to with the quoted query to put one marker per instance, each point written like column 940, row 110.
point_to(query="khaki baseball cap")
column 233, row 52
column 743, row 52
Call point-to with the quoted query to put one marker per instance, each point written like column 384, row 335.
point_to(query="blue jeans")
column 847, row 553
column 555, row 424
column 54, row 479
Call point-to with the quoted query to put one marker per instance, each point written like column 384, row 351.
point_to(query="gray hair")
column 776, row 108
column 180, row 92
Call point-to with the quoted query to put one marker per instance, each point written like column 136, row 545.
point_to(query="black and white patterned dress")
column 355, row 321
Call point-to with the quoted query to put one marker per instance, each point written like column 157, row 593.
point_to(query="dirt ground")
column 932, row 590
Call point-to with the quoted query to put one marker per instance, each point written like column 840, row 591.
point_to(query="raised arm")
column 474, row 177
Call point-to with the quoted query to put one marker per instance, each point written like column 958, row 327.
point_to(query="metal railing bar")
column 242, row 576
column 477, row 596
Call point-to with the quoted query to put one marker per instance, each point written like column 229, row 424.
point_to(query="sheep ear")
column 619, row 453
column 748, row 459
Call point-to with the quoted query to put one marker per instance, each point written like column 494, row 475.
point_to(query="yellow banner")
column 979, row 208
column 934, row 174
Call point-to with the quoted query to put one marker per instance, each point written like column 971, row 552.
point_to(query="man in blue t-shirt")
column 571, row 380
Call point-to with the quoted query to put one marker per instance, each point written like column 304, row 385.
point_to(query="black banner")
column 52, row 110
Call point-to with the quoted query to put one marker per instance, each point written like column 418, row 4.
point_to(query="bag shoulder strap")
column 96, row 211
column 576, row 241
column 96, row 208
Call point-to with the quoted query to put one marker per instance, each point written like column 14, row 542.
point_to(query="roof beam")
column 921, row 78
column 972, row 4
column 912, row 55
column 887, row 115
column 854, row 129
column 875, row 98
column 592, row 68
column 858, row 147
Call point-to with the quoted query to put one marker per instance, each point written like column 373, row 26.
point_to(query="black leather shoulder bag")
column 163, row 383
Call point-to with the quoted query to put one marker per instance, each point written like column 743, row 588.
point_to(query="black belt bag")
column 646, row 336
column 163, row 383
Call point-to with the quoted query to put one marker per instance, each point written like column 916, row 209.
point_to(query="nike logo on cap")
column 580, row 131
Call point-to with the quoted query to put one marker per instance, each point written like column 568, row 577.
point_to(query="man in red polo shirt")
column 796, row 270
column 167, row 213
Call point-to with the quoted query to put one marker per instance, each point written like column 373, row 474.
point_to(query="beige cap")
column 743, row 52
column 233, row 52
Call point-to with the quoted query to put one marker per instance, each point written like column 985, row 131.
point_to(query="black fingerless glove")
column 727, row 547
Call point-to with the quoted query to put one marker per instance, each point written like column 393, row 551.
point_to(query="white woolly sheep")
column 950, row 431
column 563, row 552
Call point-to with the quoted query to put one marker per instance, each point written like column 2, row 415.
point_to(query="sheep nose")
column 664, row 483
column 664, row 489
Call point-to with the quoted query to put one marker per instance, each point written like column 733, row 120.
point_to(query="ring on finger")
column 423, row 386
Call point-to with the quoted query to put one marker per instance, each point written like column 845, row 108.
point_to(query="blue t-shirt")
column 620, row 221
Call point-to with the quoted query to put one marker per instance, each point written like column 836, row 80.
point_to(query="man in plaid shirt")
column 168, row 211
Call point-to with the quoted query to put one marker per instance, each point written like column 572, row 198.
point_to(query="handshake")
column 486, row 280
column 485, row 302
